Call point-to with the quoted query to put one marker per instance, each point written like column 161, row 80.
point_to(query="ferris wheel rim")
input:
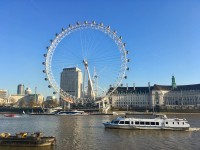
column 66, row 32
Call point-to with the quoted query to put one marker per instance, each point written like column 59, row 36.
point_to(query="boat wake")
column 194, row 129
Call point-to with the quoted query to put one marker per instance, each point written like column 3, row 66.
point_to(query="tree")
column 22, row 103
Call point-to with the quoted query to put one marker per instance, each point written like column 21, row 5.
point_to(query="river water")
column 88, row 133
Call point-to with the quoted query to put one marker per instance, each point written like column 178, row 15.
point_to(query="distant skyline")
column 162, row 38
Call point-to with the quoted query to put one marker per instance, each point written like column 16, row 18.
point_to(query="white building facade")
column 3, row 94
column 71, row 81
column 131, row 97
column 35, row 99
column 170, row 97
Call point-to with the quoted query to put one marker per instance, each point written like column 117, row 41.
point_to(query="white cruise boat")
column 157, row 122
column 73, row 112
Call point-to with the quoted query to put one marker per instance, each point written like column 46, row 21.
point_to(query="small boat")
column 10, row 115
column 158, row 121
column 74, row 112
column 25, row 140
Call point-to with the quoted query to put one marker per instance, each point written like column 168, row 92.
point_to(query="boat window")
column 121, row 122
column 183, row 122
column 142, row 122
column 178, row 122
column 173, row 122
column 126, row 122
column 147, row 123
column 157, row 123
column 152, row 123
column 116, row 122
column 132, row 122
column 166, row 122
column 137, row 122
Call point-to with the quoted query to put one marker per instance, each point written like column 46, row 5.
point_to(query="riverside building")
column 163, row 96
column 3, row 96
column 24, row 98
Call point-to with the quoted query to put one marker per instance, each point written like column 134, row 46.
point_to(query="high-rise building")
column 71, row 81
column 20, row 89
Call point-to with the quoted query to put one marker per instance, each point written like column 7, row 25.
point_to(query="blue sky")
column 162, row 37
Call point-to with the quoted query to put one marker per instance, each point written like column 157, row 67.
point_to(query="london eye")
column 96, row 51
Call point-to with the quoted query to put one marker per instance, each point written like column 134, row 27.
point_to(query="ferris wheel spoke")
column 105, row 58
column 70, row 52
column 96, row 48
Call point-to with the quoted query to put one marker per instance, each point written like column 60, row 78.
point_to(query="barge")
column 24, row 140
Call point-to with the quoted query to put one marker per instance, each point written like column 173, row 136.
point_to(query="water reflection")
column 88, row 133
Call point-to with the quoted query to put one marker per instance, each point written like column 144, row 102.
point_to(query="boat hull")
column 72, row 113
column 28, row 142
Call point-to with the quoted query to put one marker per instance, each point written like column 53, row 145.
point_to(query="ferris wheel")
column 94, row 53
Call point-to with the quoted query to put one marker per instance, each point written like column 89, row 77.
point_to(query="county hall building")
column 162, row 96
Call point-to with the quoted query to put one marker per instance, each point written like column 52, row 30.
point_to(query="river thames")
column 88, row 133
